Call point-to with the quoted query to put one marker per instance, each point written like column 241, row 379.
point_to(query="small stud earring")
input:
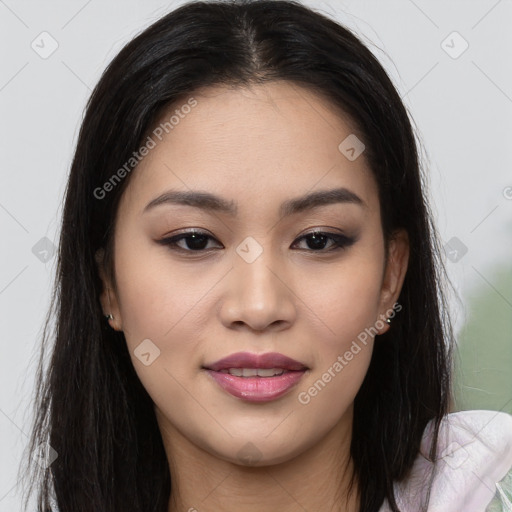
column 110, row 316
column 388, row 320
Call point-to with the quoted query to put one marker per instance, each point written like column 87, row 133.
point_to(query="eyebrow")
column 210, row 202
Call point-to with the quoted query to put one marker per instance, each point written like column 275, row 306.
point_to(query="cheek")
column 158, row 303
column 154, row 294
column 344, row 297
column 341, row 359
column 346, row 307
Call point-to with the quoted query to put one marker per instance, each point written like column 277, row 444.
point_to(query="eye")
column 197, row 241
column 318, row 239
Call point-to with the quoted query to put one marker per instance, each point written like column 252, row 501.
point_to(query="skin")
column 257, row 146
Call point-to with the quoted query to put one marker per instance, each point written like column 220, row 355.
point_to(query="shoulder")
column 474, row 454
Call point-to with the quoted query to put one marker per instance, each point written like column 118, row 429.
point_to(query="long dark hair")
column 91, row 407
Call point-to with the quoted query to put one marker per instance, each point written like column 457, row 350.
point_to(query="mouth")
column 256, row 377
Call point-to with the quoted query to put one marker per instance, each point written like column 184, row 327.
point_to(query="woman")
column 249, row 301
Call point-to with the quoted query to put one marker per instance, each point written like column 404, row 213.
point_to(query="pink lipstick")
column 256, row 377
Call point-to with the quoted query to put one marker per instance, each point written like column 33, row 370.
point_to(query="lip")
column 248, row 360
column 257, row 389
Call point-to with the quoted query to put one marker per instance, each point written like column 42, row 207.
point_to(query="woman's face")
column 255, row 280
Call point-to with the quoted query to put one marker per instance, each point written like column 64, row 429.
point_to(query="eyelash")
column 339, row 241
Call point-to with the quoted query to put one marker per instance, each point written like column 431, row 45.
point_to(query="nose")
column 258, row 296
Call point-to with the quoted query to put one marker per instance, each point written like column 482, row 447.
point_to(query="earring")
column 388, row 320
column 110, row 316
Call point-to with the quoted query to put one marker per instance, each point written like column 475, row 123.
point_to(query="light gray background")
column 461, row 106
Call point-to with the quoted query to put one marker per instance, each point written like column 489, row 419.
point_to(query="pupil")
column 318, row 241
column 198, row 242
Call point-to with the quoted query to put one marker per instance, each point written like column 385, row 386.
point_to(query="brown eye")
column 317, row 241
column 194, row 241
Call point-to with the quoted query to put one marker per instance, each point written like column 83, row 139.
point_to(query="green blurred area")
column 483, row 360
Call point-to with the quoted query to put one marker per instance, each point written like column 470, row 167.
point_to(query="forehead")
column 254, row 144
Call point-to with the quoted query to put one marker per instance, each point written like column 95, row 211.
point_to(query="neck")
column 317, row 479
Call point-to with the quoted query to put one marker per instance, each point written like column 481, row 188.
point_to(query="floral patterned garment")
column 474, row 473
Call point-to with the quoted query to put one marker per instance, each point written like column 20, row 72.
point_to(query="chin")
column 251, row 451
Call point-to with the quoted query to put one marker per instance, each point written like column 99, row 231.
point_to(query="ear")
column 394, row 275
column 108, row 298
